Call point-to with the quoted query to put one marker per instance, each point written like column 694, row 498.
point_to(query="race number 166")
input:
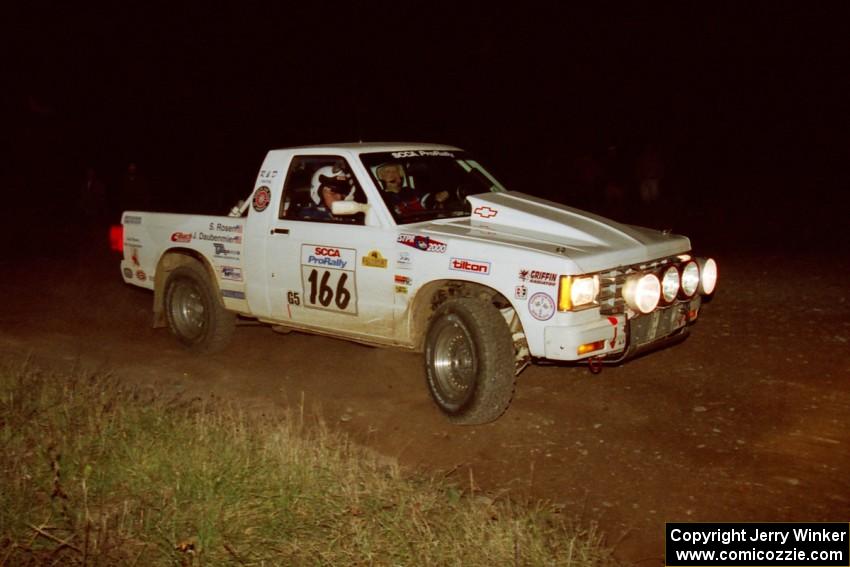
column 332, row 290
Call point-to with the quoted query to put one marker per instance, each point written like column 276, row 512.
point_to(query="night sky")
column 748, row 103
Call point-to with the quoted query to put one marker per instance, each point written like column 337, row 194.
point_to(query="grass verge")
column 93, row 473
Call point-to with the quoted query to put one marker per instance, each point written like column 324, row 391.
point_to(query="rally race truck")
column 417, row 246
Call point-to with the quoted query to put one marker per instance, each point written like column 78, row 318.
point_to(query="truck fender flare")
column 171, row 259
column 431, row 295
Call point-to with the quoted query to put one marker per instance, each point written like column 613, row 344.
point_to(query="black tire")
column 193, row 310
column 469, row 361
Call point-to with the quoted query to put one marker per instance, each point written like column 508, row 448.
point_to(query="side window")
column 313, row 183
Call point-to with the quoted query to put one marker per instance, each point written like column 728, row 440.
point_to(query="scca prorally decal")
column 473, row 266
column 538, row 277
column 339, row 258
column 424, row 243
column 329, row 278
column 485, row 212
column 423, row 153
column 141, row 276
column 262, row 198
column 541, row 306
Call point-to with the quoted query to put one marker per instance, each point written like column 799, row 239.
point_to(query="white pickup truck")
column 418, row 246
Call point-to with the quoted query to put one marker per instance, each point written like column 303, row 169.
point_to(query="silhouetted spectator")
column 135, row 195
column 649, row 170
column 92, row 198
column 588, row 176
column 615, row 184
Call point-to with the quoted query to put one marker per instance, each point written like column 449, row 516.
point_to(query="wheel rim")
column 187, row 309
column 454, row 363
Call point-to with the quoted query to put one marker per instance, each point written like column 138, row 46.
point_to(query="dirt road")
column 744, row 421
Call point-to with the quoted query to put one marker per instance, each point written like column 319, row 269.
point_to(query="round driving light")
column 708, row 281
column 642, row 293
column 690, row 279
column 670, row 284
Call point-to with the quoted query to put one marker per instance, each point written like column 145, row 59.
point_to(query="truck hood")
column 592, row 243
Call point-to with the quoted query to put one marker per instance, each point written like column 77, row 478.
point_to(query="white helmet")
column 334, row 178
column 379, row 171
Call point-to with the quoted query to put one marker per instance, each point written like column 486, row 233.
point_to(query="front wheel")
column 469, row 361
column 195, row 316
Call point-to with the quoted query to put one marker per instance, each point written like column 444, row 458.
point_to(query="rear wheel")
column 195, row 315
column 469, row 361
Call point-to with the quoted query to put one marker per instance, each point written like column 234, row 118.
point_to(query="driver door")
column 328, row 274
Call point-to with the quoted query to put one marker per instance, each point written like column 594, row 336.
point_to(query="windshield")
column 421, row 185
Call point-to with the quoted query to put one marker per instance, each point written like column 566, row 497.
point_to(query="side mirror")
column 348, row 208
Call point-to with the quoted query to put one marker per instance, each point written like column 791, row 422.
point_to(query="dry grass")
column 96, row 474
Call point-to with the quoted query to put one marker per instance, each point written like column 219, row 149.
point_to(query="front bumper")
column 617, row 337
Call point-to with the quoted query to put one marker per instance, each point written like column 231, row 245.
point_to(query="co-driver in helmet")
column 399, row 196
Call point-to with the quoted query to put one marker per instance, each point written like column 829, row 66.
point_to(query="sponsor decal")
column 339, row 258
column 538, row 277
column 425, row 153
column 520, row 292
column 141, row 276
column 400, row 289
column 268, row 173
column 134, row 257
column 132, row 241
column 465, row 265
column 374, row 260
column 404, row 262
column 181, row 237
column 128, row 274
column 402, row 280
column 219, row 227
column 262, row 198
column 132, row 219
column 424, row 243
column 541, row 306
column 485, row 212
column 233, row 294
column 230, row 239
column 328, row 278
column 231, row 273
column 222, row 251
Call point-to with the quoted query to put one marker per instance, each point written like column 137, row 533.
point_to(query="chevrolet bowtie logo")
column 485, row 212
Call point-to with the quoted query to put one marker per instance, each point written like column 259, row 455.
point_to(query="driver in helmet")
column 400, row 197
column 329, row 184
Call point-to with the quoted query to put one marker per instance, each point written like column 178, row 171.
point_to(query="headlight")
column 708, row 270
column 575, row 291
column 670, row 284
column 690, row 279
column 642, row 292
